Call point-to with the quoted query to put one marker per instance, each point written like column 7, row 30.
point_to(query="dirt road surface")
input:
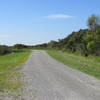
column 48, row 79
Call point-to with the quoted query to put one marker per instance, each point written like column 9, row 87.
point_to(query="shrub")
column 90, row 46
column 5, row 50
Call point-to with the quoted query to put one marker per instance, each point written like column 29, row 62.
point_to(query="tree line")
column 85, row 41
column 4, row 49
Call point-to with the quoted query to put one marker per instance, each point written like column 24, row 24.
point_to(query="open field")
column 9, row 65
column 89, row 65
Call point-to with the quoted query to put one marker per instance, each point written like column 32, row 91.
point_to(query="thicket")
column 5, row 49
column 85, row 41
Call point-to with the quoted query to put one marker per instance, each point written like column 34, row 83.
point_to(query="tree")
column 93, row 22
column 52, row 44
column 20, row 46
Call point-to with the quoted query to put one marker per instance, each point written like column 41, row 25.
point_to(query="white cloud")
column 6, row 36
column 58, row 16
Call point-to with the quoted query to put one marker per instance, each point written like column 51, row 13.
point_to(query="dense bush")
column 85, row 41
column 90, row 46
column 20, row 46
column 5, row 50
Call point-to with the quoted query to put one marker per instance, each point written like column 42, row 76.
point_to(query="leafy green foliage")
column 20, row 46
column 85, row 41
column 90, row 46
column 93, row 22
column 5, row 50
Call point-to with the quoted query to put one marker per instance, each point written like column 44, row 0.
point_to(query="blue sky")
column 39, row 21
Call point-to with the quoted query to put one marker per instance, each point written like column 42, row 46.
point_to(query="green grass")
column 89, row 65
column 9, row 65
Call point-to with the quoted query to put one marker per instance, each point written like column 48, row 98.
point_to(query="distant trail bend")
column 48, row 79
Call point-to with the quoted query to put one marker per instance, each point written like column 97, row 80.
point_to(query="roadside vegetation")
column 85, row 41
column 79, row 50
column 5, row 50
column 89, row 65
column 9, row 69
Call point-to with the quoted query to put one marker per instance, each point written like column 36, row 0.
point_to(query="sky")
column 38, row 21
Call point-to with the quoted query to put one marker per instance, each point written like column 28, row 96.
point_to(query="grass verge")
column 89, row 65
column 9, row 64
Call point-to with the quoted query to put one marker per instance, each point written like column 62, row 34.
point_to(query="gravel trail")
column 47, row 79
